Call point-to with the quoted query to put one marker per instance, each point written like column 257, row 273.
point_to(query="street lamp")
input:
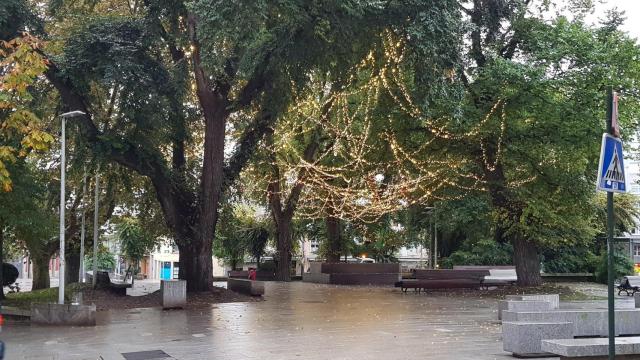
column 63, row 161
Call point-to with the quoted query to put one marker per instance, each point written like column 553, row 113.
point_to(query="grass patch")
column 23, row 300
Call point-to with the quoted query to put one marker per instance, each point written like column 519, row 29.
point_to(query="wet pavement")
column 296, row 321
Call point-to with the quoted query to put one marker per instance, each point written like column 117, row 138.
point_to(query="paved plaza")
column 295, row 321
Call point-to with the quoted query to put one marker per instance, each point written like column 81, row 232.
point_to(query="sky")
column 632, row 13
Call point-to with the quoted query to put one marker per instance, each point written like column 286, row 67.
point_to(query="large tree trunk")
column 283, row 265
column 196, row 265
column 334, row 237
column 41, row 278
column 525, row 256
column 72, row 265
column 197, row 262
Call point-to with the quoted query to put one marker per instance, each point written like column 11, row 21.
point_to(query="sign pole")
column 610, row 249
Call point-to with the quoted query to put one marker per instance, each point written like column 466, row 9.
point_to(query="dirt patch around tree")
column 106, row 300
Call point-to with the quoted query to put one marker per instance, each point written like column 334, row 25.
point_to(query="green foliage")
column 135, row 243
column 106, row 259
column 21, row 131
column 24, row 299
column 573, row 259
column 241, row 232
column 483, row 252
column 24, row 215
column 622, row 266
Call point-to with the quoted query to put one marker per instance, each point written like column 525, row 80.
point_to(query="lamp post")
column 63, row 164
column 82, row 232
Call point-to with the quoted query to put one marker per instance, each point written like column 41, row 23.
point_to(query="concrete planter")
column 63, row 314
column 245, row 286
column 174, row 293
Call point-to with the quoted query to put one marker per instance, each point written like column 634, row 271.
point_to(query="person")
column 252, row 274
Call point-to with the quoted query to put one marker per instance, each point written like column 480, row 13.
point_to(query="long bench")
column 443, row 279
column 498, row 274
column 353, row 274
column 627, row 348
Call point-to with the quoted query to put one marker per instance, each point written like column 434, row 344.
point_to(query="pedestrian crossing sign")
column 611, row 169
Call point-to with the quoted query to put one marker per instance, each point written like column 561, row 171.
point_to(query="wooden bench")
column 103, row 280
column 627, row 348
column 499, row 275
column 630, row 285
column 238, row 274
column 443, row 279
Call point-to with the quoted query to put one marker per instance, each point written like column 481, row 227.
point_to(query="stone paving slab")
column 296, row 321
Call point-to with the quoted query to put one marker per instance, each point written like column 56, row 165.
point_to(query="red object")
column 252, row 274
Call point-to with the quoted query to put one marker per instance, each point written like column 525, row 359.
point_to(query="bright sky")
column 632, row 13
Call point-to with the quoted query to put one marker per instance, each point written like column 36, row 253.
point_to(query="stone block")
column 173, row 293
column 593, row 348
column 553, row 299
column 315, row 267
column 316, row 278
column 636, row 297
column 522, row 305
column 245, row 286
column 63, row 314
column 585, row 322
column 525, row 338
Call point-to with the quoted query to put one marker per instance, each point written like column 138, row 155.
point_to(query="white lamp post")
column 63, row 164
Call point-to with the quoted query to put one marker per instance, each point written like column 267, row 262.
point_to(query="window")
column 315, row 245
column 636, row 250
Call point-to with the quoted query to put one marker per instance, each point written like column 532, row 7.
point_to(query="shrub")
column 484, row 252
column 570, row 260
column 622, row 266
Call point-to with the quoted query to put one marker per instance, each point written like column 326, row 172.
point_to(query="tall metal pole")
column 95, row 227
column 63, row 164
column 610, row 249
column 82, row 230
column 435, row 244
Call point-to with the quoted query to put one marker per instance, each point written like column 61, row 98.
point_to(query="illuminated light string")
column 341, row 180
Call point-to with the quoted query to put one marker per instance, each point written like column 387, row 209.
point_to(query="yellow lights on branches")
column 363, row 169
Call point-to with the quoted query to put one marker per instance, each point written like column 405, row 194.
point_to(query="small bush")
column 622, row 266
column 570, row 260
column 484, row 252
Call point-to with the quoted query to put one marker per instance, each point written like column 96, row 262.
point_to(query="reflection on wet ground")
column 296, row 321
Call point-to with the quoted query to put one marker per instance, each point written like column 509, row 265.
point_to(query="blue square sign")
column 611, row 176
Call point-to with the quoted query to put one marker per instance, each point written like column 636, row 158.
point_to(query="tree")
column 25, row 220
column 524, row 131
column 242, row 232
column 20, row 128
column 135, row 243
column 541, row 85
column 242, row 60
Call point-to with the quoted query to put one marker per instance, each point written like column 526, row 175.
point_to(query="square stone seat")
column 522, row 305
column 553, row 299
column 593, row 349
column 585, row 322
column 524, row 339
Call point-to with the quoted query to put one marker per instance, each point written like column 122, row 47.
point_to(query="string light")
column 341, row 180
